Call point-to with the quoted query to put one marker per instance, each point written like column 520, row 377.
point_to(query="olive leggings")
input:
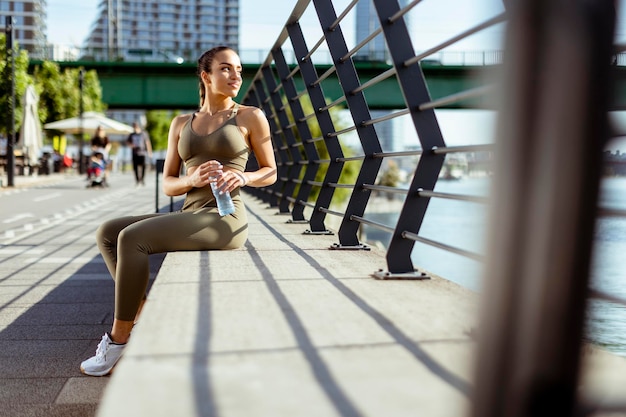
column 126, row 242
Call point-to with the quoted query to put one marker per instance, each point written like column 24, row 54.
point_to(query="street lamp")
column 11, row 133
column 81, row 163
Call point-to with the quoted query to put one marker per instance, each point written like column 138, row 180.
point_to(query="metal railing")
column 253, row 56
column 275, row 91
column 546, row 170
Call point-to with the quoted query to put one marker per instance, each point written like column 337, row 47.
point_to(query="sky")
column 69, row 21
column 433, row 21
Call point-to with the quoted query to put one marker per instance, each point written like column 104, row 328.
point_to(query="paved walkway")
column 287, row 327
column 56, row 299
column 283, row 327
column 22, row 181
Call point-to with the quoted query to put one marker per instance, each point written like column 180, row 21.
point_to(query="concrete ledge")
column 286, row 327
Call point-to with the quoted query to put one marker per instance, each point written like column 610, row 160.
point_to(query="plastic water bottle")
column 224, row 201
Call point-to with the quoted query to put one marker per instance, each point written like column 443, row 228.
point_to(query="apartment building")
column 29, row 22
column 167, row 30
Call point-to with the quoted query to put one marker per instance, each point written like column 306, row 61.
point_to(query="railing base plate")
column 360, row 246
column 291, row 221
column 321, row 232
column 415, row 275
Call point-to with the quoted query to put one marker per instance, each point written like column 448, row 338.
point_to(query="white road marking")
column 63, row 260
column 12, row 251
column 18, row 217
column 47, row 197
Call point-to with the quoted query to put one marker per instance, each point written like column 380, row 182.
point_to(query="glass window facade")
column 179, row 28
column 29, row 20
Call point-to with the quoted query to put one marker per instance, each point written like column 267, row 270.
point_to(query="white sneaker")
column 107, row 355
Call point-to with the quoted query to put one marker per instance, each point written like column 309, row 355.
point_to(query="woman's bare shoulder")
column 181, row 119
column 251, row 114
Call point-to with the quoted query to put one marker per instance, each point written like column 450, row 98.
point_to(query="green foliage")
column 92, row 90
column 59, row 92
column 48, row 82
column 22, row 80
column 390, row 176
column 350, row 170
column 158, row 126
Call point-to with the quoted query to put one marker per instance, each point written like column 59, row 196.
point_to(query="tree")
column 350, row 170
column 59, row 92
column 158, row 126
column 59, row 95
column 390, row 177
column 22, row 80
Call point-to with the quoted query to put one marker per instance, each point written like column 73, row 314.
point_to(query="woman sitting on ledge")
column 214, row 143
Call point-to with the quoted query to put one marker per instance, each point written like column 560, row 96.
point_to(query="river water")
column 463, row 225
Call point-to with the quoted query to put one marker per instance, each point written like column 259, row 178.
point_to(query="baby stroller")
column 96, row 175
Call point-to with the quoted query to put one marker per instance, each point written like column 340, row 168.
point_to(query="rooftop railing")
column 546, row 160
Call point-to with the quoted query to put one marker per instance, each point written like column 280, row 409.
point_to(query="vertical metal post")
column 550, row 139
column 349, row 80
column 252, row 98
column 281, row 160
column 415, row 91
column 160, row 163
column 297, row 213
column 290, row 167
column 324, row 119
column 81, row 163
column 11, row 133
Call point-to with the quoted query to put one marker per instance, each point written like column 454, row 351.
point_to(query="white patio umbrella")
column 90, row 121
column 30, row 132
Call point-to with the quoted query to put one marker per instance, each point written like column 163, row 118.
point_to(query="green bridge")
column 162, row 85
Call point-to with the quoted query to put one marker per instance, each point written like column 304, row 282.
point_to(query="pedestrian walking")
column 139, row 141
column 214, row 144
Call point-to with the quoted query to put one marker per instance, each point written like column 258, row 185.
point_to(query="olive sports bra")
column 225, row 144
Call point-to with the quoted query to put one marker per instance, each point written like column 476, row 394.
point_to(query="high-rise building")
column 29, row 22
column 367, row 22
column 135, row 30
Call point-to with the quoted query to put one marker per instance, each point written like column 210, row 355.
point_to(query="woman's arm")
column 256, row 130
column 261, row 143
column 196, row 177
column 173, row 183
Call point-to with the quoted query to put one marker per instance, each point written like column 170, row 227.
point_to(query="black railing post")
column 318, row 101
column 281, row 157
column 551, row 135
column 349, row 79
column 413, row 84
column 159, row 169
column 302, row 127
column 160, row 163
column 290, row 167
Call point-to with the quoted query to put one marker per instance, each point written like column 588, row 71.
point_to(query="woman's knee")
column 106, row 233
column 133, row 239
